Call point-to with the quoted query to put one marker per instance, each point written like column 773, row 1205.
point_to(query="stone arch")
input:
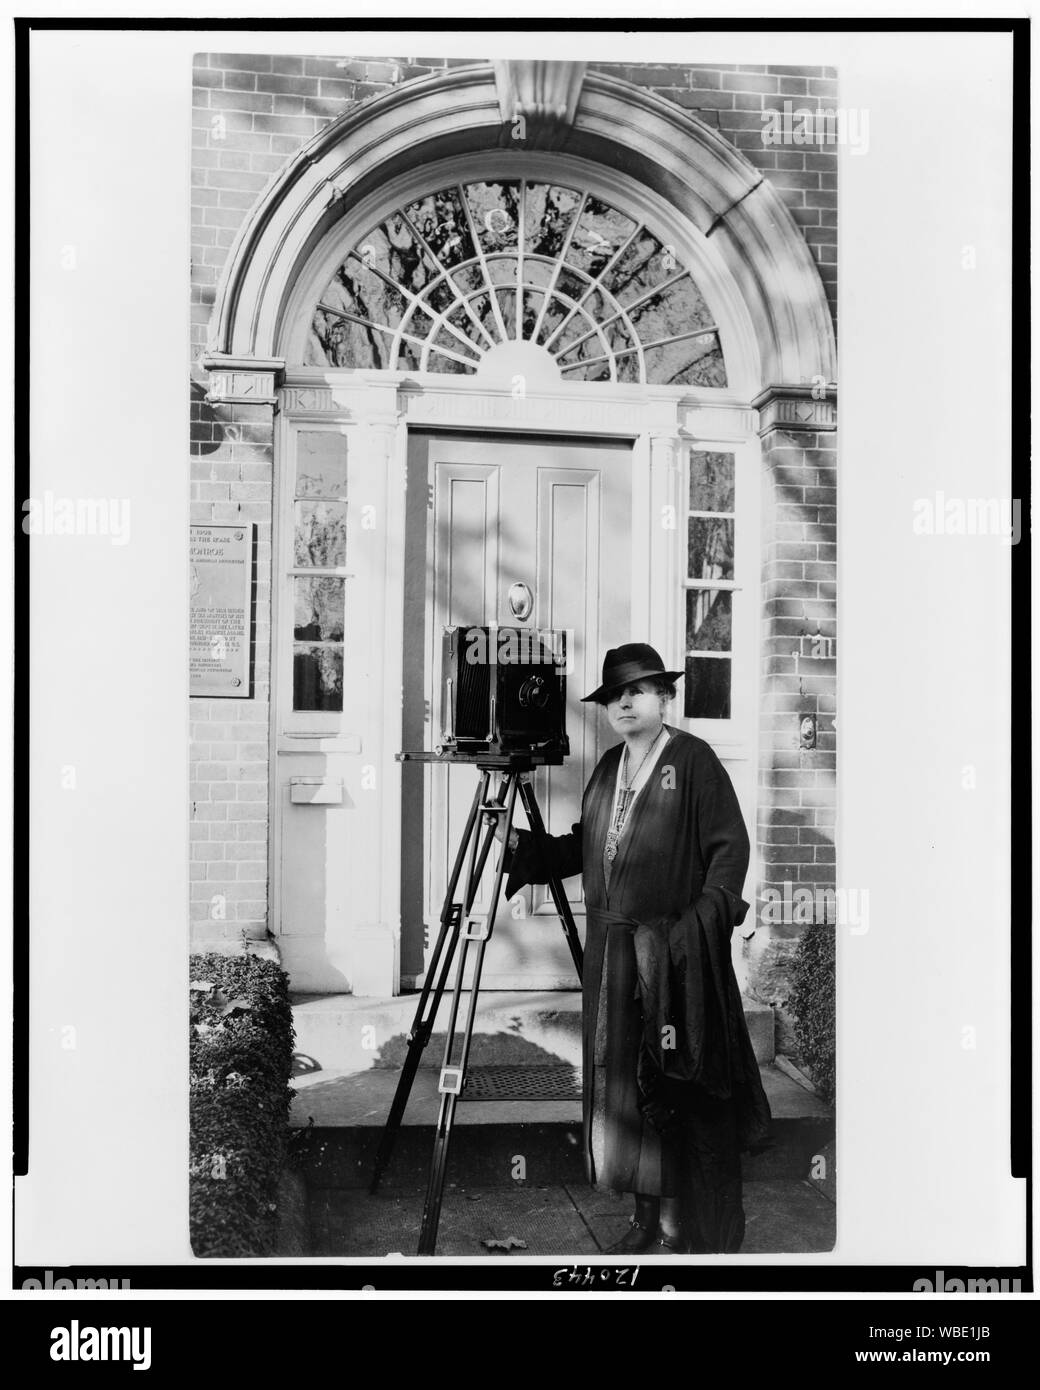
column 743, row 225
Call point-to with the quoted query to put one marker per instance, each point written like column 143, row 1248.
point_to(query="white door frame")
column 374, row 411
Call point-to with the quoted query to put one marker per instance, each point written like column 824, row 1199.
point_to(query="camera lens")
column 534, row 692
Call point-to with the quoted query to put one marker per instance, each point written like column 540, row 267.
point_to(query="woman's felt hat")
column 635, row 661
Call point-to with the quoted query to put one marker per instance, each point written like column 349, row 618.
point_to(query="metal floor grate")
column 561, row 1081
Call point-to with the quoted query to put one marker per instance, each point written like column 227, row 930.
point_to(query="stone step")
column 349, row 1033
column 345, row 1113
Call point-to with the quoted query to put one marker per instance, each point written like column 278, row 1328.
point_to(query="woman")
column 672, row 1091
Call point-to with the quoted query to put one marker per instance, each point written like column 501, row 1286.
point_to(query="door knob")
column 521, row 601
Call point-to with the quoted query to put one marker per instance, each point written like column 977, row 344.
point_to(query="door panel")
column 555, row 516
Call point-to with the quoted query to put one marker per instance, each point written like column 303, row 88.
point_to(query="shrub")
column 812, row 1003
column 241, row 1060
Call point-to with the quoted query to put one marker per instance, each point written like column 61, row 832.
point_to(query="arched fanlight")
column 440, row 282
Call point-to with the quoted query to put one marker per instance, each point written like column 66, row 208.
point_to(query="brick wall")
column 733, row 100
column 251, row 112
column 231, row 480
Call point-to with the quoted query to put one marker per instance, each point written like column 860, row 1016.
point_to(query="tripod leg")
column 453, row 1078
column 559, row 897
column 422, row 1024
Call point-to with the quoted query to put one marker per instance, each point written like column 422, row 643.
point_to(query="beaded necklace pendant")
column 620, row 816
column 625, row 796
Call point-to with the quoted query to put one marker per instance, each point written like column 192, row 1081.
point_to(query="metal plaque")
column 221, row 611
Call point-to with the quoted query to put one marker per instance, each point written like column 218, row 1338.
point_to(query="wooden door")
column 555, row 515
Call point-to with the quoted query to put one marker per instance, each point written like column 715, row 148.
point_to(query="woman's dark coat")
column 661, row 1002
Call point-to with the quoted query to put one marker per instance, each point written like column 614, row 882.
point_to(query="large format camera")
column 504, row 693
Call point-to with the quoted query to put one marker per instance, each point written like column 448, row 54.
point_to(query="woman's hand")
column 499, row 823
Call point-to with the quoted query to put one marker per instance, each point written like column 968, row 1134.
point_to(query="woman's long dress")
column 672, row 1091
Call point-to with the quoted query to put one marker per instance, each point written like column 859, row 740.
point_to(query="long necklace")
column 624, row 798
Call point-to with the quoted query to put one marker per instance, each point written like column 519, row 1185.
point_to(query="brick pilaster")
column 231, row 481
column 796, row 794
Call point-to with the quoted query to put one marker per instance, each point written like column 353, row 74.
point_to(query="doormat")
column 561, row 1081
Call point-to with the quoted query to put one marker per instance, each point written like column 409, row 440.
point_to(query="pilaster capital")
column 242, row 380
column 664, row 449
column 793, row 408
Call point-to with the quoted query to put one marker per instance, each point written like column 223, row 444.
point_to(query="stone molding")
column 242, row 380
column 796, row 408
column 541, row 95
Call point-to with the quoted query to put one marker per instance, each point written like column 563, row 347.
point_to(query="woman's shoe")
column 635, row 1240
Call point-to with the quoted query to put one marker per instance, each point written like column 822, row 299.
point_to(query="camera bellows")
column 505, row 692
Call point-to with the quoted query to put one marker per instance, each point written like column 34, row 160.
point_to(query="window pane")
column 709, row 370
column 709, row 620
column 708, row 681
column 533, row 302
column 678, row 309
column 712, row 482
column 548, row 213
column 444, row 338
column 320, row 534
column 408, row 357
column 628, row 367
column 418, row 324
column 571, row 285
column 318, row 605
column 711, row 548
column 599, row 233
column 442, row 222
column 358, row 290
column 537, row 273
column 482, row 310
column 646, row 263
column 348, row 344
column 317, row 677
column 468, row 279
column 503, row 270
column 495, row 209
column 597, row 371
column 442, row 296
column 321, row 464
column 449, row 366
column 507, row 308
column 691, row 362
column 393, row 249
column 591, row 347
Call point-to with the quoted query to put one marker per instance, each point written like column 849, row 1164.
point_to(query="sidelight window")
column 319, row 542
column 710, row 585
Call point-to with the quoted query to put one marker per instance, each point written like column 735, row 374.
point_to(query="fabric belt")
column 603, row 917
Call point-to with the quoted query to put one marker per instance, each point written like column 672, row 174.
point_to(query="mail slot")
column 316, row 791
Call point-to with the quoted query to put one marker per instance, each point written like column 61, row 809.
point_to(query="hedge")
column 812, row 1003
column 241, row 1060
